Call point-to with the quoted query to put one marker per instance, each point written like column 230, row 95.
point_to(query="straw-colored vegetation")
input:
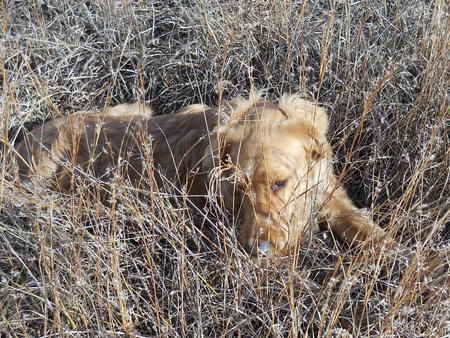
column 71, row 266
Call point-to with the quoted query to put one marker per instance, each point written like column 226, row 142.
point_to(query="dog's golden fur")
column 273, row 158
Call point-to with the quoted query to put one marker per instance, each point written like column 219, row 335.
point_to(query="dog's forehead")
column 278, row 154
column 266, row 105
column 265, row 111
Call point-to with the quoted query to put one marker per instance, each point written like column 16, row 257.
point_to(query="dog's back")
column 40, row 151
column 124, row 139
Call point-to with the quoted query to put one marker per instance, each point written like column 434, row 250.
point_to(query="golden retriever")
column 269, row 162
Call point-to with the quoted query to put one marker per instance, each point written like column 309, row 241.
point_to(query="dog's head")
column 275, row 153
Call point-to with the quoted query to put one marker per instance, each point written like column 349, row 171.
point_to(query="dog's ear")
column 308, row 118
column 220, row 147
column 319, row 147
column 315, row 138
column 228, row 135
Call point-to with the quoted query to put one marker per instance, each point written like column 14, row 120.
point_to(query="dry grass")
column 72, row 267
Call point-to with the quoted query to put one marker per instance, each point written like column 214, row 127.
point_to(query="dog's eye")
column 278, row 185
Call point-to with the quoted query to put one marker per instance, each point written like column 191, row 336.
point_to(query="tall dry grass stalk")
column 71, row 266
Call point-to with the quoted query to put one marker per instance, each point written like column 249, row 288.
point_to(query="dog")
column 268, row 162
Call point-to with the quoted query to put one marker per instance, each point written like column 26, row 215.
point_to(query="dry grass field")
column 139, row 267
